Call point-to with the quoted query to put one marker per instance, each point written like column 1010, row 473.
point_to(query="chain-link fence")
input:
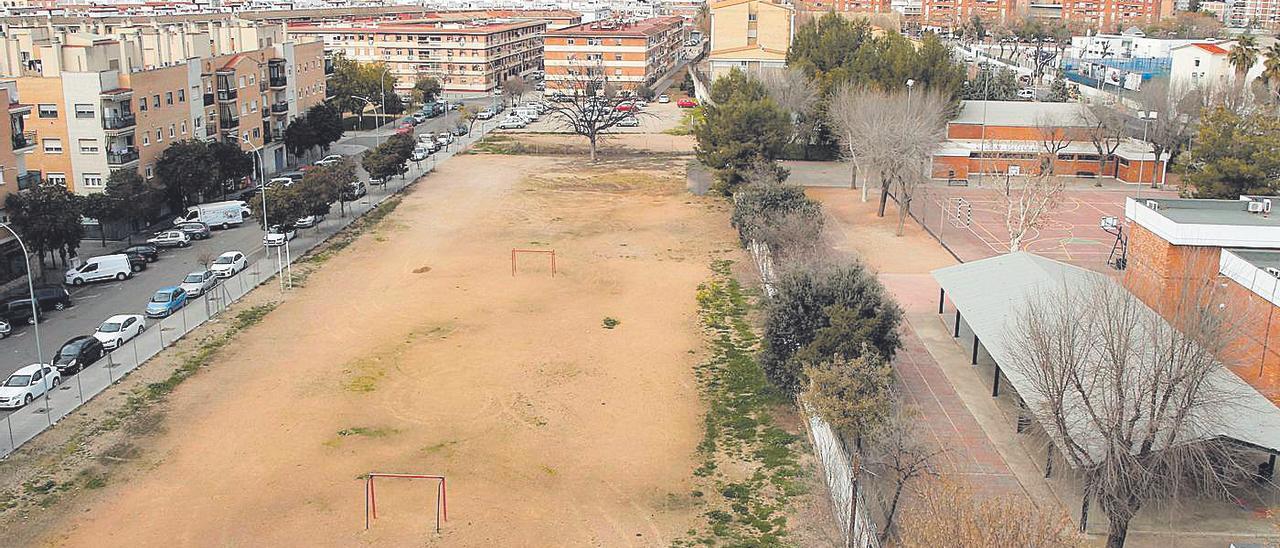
column 262, row 264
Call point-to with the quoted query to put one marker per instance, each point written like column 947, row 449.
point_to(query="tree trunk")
column 593, row 148
column 853, row 175
column 884, row 195
column 904, row 208
column 1119, row 530
column 893, row 509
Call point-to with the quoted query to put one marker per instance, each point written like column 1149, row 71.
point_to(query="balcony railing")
column 267, row 136
column 279, row 81
column 29, row 179
column 23, row 140
column 280, row 108
column 122, row 157
column 122, row 121
column 208, row 99
column 227, row 94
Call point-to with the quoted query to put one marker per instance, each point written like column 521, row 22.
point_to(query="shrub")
column 779, row 215
column 854, row 395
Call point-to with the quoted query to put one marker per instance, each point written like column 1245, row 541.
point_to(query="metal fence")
column 263, row 264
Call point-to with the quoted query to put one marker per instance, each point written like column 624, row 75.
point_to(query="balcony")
column 267, row 136
column 119, row 122
column 279, row 81
column 29, row 179
column 328, row 66
column 24, row 141
column 227, row 95
column 208, row 99
column 229, row 123
column 281, row 107
column 123, row 157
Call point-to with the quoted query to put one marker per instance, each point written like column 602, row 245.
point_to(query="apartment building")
column 628, row 53
column 466, row 57
column 1105, row 15
column 108, row 102
column 749, row 35
column 1255, row 13
column 1205, row 65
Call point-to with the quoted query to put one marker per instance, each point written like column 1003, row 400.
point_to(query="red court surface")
column 970, row 222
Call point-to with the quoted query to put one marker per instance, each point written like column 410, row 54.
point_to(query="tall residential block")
column 749, row 35
column 627, row 53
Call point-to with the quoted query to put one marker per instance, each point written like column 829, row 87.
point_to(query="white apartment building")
column 1204, row 65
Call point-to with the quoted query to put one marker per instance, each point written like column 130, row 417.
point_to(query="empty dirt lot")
column 415, row 350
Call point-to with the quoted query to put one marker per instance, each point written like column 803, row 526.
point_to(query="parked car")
column 1026, row 93
column 512, row 122
column 308, row 221
column 170, row 238
column 48, row 297
column 137, row 263
column 105, row 267
column 229, row 264
column 278, row 235
column 330, row 159
column 120, row 329
column 630, row 121
column 78, row 353
column 444, row 139
column 420, row 153
column 199, row 282
column 664, row 98
column 354, row 191
column 149, row 252
column 18, row 312
column 485, row 114
column 460, row 130
column 27, row 384
column 197, row 231
column 624, row 107
column 220, row 214
column 166, row 301
column 419, row 118
column 686, row 102
column 5, row 329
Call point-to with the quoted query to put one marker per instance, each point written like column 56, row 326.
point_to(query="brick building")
column 997, row 138
column 749, row 35
column 1104, row 15
column 629, row 53
column 463, row 56
column 1231, row 247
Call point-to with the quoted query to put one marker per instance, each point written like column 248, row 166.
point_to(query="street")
column 95, row 302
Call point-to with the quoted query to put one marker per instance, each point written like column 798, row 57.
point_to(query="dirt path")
column 415, row 350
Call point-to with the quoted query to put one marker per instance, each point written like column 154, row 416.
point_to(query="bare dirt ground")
column 417, row 351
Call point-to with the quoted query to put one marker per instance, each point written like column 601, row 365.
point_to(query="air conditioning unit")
column 1275, row 272
column 1154, row 205
column 1255, row 207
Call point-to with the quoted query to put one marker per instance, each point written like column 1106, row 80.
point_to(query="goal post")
column 515, row 252
column 371, row 496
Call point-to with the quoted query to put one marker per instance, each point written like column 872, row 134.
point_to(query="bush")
column 779, row 215
column 854, row 395
column 819, row 313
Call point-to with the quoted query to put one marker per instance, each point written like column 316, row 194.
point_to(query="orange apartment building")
column 999, row 138
column 104, row 103
column 1103, row 15
column 628, row 53
column 1229, row 247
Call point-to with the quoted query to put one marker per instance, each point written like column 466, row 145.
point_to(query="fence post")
column 13, row 446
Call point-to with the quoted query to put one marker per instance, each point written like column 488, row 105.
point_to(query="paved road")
column 94, row 303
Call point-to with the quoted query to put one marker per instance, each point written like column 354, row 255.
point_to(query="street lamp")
column 1146, row 116
column 266, row 227
column 35, row 317
column 911, row 84
column 375, row 112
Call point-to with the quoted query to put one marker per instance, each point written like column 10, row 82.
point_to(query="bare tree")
column 796, row 94
column 854, row 125
column 513, row 89
column 1055, row 136
column 1131, row 401
column 1105, row 127
column 585, row 102
column 945, row 512
column 899, row 458
column 1025, row 203
column 1171, row 116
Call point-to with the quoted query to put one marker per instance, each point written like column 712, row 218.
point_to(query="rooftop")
column 1019, row 113
column 420, row 28
column 1210, row 212
column 1258, row 258
column 643, row 27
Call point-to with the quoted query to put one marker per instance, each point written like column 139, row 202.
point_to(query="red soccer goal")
column 549, row 252
column 371, row 498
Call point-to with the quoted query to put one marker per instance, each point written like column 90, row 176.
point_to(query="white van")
column 105, row 267
column 216, row 214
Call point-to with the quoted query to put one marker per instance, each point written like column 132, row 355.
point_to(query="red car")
column 625, row 107
column 686, row 103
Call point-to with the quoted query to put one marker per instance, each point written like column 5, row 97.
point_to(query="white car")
column 229, row 264
column 120, row 329
column 199, row 282
column 1027, row 93
column 664, row 98
column 27, row 384
column 277, row 236
column 512, row 122
column 630, row 121
column 485, row 114
column 5, row 329
column 330, row 159
column 170, row 238
column 308, row 221
column 419, row 154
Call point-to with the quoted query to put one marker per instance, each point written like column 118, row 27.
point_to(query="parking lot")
column 95, row 302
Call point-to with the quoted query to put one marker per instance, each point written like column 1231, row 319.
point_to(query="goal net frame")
column 371, row 496
column 515, row 252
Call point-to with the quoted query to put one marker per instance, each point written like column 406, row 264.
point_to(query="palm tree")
column 1271, row 68
column 1243, row 55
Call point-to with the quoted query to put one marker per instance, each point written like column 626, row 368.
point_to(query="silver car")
column 199, row 282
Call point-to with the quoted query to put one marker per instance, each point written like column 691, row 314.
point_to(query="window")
column 146, row 140
column 53, row 146
column 150, row 172
column 617, row 57
column 253, row 105
column 85, row 111
column 593, row 41
column 246, row 136
column 255, row 133
column 159, row 135
column 1197, row 62
column 184, row 127
column 155, row 101
column 251, row 79
column 168, row 97
column 617, row 72
column 617, row 41
column 88, row 146
column 57, row 178
column 142, row 104
column 172, row 129
column 93, row 180
column 48, row 111
column 751, row 17
column 242, row 81
column 199, row 121
column 182, row 96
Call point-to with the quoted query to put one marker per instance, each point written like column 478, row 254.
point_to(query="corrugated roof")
column 993, row 293
column 1021, row 113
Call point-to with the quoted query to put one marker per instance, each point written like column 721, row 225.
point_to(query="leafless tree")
column 1170, row 120
column 854, row 125
column 796, row 94
column 586, row 103
column 1105, row 128
column 899, row 457
column 945, row 512
column 513, row 89
column 1056, row 135
column 1025, row 203
column 1130, row 400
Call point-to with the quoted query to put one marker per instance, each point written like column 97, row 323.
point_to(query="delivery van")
column 105, row 267
column 216, row 214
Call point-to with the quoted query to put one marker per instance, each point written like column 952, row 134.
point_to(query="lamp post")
column 262, row 183
column 375, row 112
column 911, row 84
column 1146, row 116
column 35, row 317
